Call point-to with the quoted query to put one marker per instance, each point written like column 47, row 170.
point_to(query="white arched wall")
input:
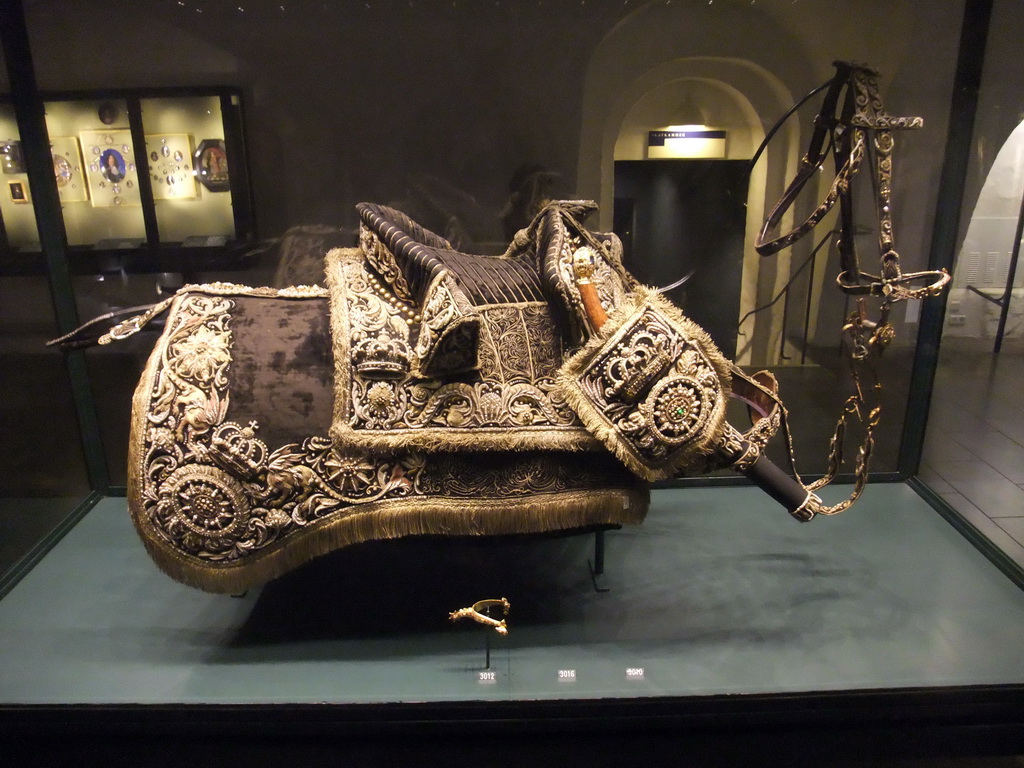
column 731, row 93
column 706, row 101
column 984, row 257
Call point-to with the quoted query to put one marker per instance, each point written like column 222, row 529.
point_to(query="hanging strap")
column 851, row 124
column 822, row 143
column 97, row 330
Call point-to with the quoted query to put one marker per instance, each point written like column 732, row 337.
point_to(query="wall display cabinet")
column 138, row 171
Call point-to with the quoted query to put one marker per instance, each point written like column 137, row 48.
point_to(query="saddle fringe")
column 394, row 519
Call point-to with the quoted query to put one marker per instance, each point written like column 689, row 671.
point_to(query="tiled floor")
column 974, row 447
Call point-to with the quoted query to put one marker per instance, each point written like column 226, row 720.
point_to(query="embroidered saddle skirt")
column 423, row 392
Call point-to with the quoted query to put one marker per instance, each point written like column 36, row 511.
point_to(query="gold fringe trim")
column 596, row 421
column 429, row 439
column 397, row 518
column 335, row 279
column 388, row 519
column 477, row 439
column 137, row 430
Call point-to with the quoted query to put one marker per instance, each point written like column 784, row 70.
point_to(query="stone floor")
column 974, row 445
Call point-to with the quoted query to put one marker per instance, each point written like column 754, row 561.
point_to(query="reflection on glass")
column 94, row 214
column 42, row 476
column 16, row 207
column 974, row 444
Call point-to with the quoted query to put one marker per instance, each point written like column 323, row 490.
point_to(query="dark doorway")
column 687, row 217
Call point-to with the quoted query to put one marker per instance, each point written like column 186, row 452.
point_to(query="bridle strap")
column 853, row 123
column 861, row 127
column 821, row 143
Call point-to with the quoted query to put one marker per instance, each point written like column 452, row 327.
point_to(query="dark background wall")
column 359, row 100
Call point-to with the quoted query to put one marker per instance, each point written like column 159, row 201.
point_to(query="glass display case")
column 45, row 478
column 717, row 628
column 16, row 204
column 135, row 224
column 972, row 451
column 189, row 173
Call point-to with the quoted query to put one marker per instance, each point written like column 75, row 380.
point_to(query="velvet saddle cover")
column 416, row 397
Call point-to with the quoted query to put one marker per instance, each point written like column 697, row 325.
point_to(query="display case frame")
column 811, row 729
column 801, row 727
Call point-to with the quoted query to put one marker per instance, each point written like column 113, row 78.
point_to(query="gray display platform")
column 718, row 592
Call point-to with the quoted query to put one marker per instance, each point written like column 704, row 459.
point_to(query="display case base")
column 725, row 613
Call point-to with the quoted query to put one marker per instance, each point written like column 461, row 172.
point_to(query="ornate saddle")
column 431, row 392
column 426, row 392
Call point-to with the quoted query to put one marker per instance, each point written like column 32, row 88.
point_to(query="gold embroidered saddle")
column 428, row 391
column 423, row 392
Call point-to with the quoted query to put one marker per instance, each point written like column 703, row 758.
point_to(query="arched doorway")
column 729, row 93
column 681, row 210
column 984, row 262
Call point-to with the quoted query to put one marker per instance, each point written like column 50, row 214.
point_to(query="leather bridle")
column 852, row 125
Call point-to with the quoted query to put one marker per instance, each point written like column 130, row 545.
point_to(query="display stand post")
column 597, row 565
column 487, row 639
column 1011, row 274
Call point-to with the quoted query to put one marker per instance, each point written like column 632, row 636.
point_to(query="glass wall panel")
column 974, row 449
column 19, row 216
column 188, row 169
column 94, row 163
column 467, row 116
column 114, row 369
column 42, row 468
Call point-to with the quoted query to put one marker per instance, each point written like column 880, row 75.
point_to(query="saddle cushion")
column 384, row 400
column 448, row 351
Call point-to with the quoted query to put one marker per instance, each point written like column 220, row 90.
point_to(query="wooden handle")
column 592, row 305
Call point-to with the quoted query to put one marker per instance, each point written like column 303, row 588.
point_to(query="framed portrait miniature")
column 211, row 161
column 67, row 169
column 109, row 164
column 170, row 166
column 18, row 191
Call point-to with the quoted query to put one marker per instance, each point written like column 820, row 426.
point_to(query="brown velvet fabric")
column 224, row 507
column 282, row 369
